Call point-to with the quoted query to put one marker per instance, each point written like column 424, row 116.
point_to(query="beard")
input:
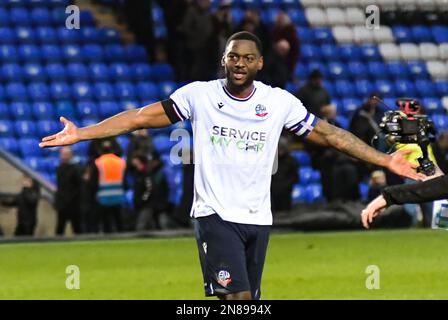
column 240, row 84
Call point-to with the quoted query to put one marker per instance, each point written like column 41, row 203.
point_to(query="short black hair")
column 244, row 35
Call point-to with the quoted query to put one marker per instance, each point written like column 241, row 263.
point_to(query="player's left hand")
column 399, row 165
column 372, row 210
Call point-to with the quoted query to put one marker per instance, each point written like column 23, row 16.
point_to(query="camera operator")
column 435, row 188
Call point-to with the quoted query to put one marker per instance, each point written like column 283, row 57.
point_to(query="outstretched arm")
column 150, row 116
column 328, row 135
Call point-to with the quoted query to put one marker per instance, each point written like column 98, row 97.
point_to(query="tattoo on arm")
column 348, row 143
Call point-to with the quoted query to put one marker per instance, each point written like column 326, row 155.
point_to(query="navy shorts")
column 232, row 255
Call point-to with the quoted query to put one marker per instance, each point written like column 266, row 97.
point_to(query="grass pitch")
column 413, row 264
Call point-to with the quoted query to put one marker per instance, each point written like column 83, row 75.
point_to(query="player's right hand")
column 68, row 135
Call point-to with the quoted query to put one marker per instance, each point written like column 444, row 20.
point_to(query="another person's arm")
column 151, row 116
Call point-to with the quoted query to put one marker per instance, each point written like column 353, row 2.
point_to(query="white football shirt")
column 235, row 143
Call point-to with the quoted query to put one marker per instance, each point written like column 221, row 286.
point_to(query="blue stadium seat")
column 16, row 91
column 305, row 35
column 19, row 17
column 93, row 53
column 440, row 33
column 114, row 53
column 20, row 110
column 442, row 88
column 162, row 143
column 47, row 127
column 38, row 91
column 404, row 88
column 11, row 72
column 58, row 16
column 338, row 70
column 343, row 122
column 65, row 109
column 128, row 104
column 25, row 35
column 29, row 147
column 34, row 72
column 9, row 144
column 349, row 52
column 166, row 88
column 120, row 72
column 385, row 88
column 301, row 71
column 60, row 91
column 329, row 52
column 417, row 70
column 125, row 91
column 4, row 17
column 357, row 70
column 87, row 110
column 268, row 16
column 323, row 35
column 364, row 191
column 43, row 110
column 349, row 105
column 328, row 85
column 6, row 128
column 319, row 66
column 425, row 88
column 141, row 71
column 59, row 4
column 147, row 90
column 51, row 53
column 370, row 52
column 40, row 16
column 86, row 18
column 292, row 87
column 247, row 4
column 108, row 108
column 104, row 91
column 123, row 141
column 402, row 34
column 72, row 53
column 432, row 105
column 29, row 53
column 298, row 194
column 89, row 35
column 7, row 35
column 310, row 52
column 77, row 72
column 36, row 163
column 305, row 175
column 302, row 158
column 109, row 36
column 99, row 72
column 56, row 72
column 136, row 53
column 344, row 88
column 397, row 70
column 440, row 121
column 163, row 72
column 4, row 111
column 25, row 128
column 314, row 193
column 298, row 17
column 46, row 35
column 421, row 34
column 8, row 53
column 2, row 93
column 377, row 70
column 82, row 91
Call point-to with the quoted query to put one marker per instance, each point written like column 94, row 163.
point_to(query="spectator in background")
column 182, row 212
column 440, row 148
column 252, row 23
column 200, row 41
column 275, row 70
column 95, row 148
column 285, row 29
column 26, row 202
column 335, row 166
column 313, row 95
column 109, row 175
column 223, row 27
column 89, row 215
column 68, row 193
column 140, row 142
column 377, row 183
column 284, row 179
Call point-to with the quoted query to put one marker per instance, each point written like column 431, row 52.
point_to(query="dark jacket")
column 282, row 183
column 151, row 189
column 68, row 194
column 313, row 98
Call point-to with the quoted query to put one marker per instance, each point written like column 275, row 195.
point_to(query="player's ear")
column 260, row 63
column 223, row 63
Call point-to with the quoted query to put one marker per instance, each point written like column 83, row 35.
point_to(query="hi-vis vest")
column 111, row 174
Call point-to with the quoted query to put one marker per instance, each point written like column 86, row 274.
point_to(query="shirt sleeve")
column 430, row 190
column 299, row 120
column 183, row 101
